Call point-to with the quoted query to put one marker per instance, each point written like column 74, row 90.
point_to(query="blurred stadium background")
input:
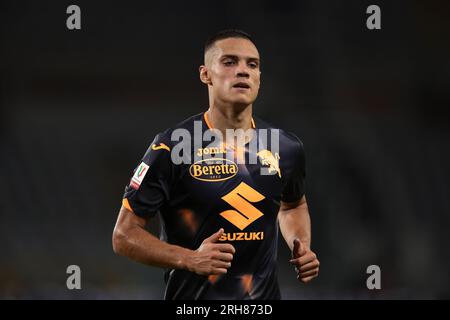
column 79, row 108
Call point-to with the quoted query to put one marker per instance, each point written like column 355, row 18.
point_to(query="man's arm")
column 295, row 226
column 132, row 240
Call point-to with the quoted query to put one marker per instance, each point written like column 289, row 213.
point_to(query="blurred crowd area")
column 79, row 108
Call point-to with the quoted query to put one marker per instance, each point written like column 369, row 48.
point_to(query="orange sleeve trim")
column 126, row 204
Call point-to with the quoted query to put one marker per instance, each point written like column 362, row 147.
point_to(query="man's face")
column 233, row 70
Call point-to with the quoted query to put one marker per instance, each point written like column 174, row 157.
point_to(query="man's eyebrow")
column 233, row 56
column 253, row 59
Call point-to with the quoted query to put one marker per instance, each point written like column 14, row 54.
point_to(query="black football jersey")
column 214, row 186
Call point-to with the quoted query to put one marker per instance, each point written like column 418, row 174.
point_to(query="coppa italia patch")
column 139, row 175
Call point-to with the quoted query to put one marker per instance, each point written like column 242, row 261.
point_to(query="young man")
column 219, row 210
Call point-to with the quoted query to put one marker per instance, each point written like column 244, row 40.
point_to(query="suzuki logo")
column 240, row 198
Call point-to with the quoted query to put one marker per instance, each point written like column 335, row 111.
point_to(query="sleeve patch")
column 139, row 175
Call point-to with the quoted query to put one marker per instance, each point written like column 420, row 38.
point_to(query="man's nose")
column 243, row 74
column 242, row 71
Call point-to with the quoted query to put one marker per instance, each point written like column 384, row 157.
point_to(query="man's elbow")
column 119, row 242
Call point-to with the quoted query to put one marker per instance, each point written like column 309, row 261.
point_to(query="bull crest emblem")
column 268, row 159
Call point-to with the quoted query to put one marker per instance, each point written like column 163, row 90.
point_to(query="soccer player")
column 220, row 211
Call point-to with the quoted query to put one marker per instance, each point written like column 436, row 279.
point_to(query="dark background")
column 79, row 108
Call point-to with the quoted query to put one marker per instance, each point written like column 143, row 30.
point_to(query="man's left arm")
column 295, row 226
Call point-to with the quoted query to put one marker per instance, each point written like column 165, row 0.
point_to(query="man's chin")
column 241, row 101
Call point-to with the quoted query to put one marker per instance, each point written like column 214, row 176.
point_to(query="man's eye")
column 253, row 65
column 228, row 63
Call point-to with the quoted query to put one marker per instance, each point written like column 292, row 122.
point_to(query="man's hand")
column 305, row 262
column 211, row 257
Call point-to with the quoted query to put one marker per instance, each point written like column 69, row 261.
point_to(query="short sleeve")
column 149, row 187
column 294, row 182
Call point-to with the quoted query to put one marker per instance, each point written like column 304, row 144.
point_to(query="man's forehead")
column 234, row 47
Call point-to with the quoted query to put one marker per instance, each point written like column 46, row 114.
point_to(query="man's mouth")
column 241, row 85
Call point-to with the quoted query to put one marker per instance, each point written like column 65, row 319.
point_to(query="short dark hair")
column 225, row 34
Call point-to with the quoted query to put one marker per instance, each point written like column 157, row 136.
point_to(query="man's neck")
column 230, row 117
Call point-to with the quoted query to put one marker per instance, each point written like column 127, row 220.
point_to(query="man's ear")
column 204, row 75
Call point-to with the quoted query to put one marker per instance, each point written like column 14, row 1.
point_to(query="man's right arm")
column 132, row 240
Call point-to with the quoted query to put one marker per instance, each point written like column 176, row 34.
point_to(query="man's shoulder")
column 288, row 140
column 187, row 124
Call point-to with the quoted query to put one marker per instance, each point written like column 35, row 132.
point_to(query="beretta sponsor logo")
column 212, row 170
